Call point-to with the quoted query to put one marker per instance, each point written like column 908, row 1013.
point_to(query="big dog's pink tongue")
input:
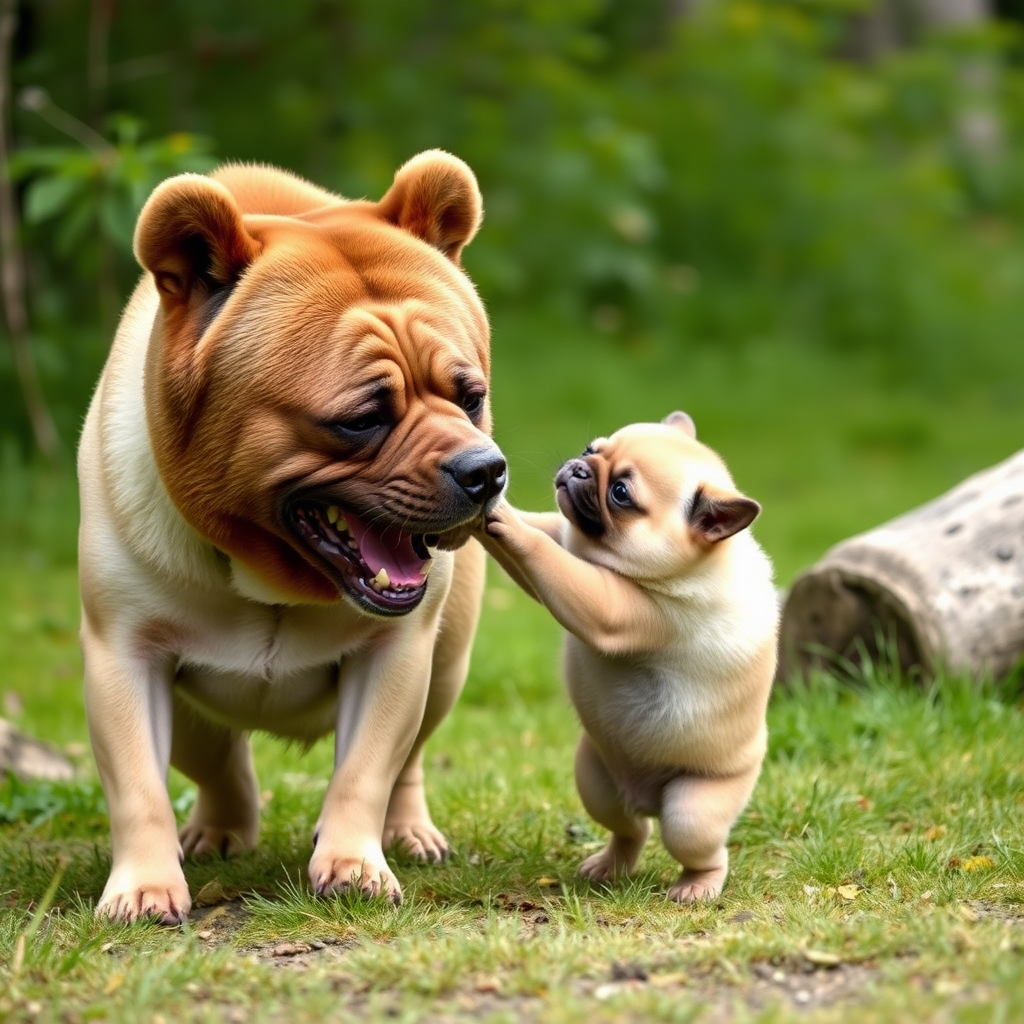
column 389, row 549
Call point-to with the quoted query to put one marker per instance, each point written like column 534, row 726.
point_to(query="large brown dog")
column 293, row 422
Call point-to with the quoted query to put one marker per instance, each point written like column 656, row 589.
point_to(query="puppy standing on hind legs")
column 671, row 617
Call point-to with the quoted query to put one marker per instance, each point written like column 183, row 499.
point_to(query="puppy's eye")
column 588, row 451
column 618, row 494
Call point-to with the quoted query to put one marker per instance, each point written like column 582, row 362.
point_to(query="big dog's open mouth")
column 384, row 568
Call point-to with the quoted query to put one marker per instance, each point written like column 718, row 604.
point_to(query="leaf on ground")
column 673, row 980
column 822, row 958
column 547, row 882
column 978, row 864
column 211, row 893
column 934, row 832
column 849, row 892
column 114, row 982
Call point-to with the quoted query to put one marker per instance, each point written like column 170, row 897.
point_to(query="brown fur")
column 275, row 320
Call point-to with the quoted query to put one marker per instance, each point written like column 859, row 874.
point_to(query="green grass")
column 878, row 874
column 855, row 850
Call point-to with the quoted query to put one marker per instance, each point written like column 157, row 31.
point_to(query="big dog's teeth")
column 427, row 566
column 341, row 525
column 381, row 580
column 332, row 514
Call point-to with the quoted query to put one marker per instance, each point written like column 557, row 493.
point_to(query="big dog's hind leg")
column 408, row 823
column 225, row 819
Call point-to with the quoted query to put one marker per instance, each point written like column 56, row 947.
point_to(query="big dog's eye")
column 368, row 422
column 473, row 403
column 618, row 494
column 362, row 424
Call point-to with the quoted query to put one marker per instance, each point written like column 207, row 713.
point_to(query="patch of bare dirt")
column 813, row 980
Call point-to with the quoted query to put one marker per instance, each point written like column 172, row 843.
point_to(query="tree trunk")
column 940, row 588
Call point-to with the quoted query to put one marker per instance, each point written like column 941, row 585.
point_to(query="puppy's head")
column 317, row 377
column 650, row 502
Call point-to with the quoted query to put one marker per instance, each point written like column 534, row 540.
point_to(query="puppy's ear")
column 190, row 237
column 715, row 517
column 436, row 198
column 682, row 420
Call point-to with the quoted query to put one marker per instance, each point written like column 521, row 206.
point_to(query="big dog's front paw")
column 138, row 891
column 341, row 869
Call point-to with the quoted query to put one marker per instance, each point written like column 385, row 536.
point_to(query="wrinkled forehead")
column 409, row 340
column 342, row 292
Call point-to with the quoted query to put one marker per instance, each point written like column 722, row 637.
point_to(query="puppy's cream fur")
column 671, row 617
column 291, row 364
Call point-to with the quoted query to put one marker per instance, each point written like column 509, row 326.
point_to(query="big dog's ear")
column 682, row 420
column 435, row 197
column 190, row 235
column 714, row 517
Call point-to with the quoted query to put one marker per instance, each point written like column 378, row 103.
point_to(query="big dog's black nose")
column 480, row 473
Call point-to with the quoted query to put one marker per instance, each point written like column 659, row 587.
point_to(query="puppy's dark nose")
column 480, row 473
column 574, row 469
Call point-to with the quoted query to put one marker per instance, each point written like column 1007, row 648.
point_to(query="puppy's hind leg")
column 603, row 801
column 696, row 817
column 225, row 819
column 408, row 824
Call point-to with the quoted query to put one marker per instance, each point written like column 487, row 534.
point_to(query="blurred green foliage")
column 711, row 180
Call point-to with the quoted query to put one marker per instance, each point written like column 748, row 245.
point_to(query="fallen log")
column 29, row 758
column 940, row 588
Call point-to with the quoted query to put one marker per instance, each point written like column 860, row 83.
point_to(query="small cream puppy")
column 671, row 616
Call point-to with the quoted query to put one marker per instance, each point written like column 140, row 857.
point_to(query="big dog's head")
column 317, row 376
column 650, row 502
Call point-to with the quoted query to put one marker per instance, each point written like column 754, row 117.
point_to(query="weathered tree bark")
column 938, row 589
column 30, row 759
